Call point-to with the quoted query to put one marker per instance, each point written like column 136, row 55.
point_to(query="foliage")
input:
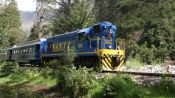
column 34, row 33
column 52, row 63
column 167, row 85
column 7, row 68
column 69, row 56
column 12, row 92
column 147, row 26
column 79, row 83
column 116, row 87
column 133, row 62
column 10, row 24
column 76, row 82
column 25, row 93
column 72, row 15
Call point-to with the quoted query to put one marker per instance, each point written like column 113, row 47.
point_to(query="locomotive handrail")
column 97, row 39
column 98, row 42
column 90, row 43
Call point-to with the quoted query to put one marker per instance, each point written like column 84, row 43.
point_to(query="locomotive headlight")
column 109, row 46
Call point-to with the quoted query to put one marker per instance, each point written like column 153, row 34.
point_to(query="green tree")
column 34, row 33
column 72, row 15
column 10, row 24
column 143, row 21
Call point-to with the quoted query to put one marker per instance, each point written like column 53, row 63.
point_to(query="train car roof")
column 16, row 46
column 28, row 42
column 25, row 44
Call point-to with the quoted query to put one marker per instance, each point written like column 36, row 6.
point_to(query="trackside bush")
column 120, row 87
column 167, row 85
column 69, row 56
column 53, row 63
column 77, row 82
column 114, row 87
column 7, row 68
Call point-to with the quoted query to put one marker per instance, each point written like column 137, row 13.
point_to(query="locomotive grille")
column 108, row 41
column 111, row 59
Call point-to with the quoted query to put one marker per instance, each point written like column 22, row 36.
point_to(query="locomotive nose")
column 111, row 61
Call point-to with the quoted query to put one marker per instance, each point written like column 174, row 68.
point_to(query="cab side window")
column 81, row 36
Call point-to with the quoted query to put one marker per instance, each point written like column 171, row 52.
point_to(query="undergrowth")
column 80, row 83
column 133, row 62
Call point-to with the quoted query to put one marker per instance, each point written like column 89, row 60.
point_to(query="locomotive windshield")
column 96, row 28
column 81, row 36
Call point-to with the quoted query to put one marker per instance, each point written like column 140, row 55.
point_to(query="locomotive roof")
column 69, row 33
column 82, row 30
column 86, row 30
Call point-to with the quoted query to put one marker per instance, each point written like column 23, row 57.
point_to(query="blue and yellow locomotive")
column 93, row 45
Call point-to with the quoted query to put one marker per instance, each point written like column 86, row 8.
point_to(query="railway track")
column 141, row 73
column 132, row 73
column 142, row 78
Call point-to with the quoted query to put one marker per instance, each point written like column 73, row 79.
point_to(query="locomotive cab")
column 111, row 50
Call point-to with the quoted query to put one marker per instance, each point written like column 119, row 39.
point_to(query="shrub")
column 76, row 82
column 136, row 93
column 120, row 86
column 114, row 87
column 7, row 68
column 69, row 56
column 145, row 54
column 53, row 63
column 167, row 85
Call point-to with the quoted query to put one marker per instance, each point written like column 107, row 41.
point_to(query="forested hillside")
column 27, row 20
column 147, row 26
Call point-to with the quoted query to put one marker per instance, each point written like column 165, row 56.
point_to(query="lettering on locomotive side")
column 57, row 48
column 80, row 45
column 60, row 47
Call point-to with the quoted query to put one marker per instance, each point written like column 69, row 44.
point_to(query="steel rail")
column 142, row 73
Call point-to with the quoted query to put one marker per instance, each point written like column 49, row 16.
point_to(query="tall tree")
column 43, row 11
column 10, row 23
column 72, row 15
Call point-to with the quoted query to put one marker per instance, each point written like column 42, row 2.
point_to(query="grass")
column 27, row 83
column 127, row 90
column 134, row 63
column 152, row 92
column 30, row 77
column 145, row 92
column 119, row 86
